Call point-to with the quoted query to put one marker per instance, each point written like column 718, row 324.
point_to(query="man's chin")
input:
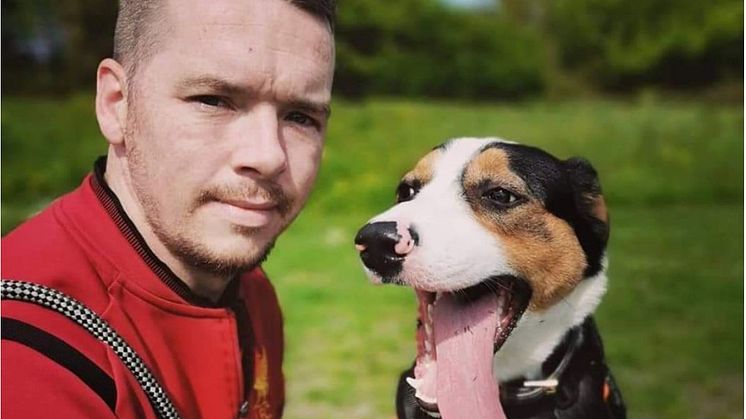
column 236, row 250
column 225, row 263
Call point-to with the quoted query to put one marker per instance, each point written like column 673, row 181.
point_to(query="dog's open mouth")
column 457, row 335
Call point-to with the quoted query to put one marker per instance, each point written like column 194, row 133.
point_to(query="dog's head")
column 486, row 217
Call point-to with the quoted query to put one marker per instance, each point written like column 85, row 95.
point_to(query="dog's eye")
column 405, row 192
column 501, row 197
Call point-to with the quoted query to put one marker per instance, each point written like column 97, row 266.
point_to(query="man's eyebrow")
column 214, row 84
column 229, row 89
column 309, row 106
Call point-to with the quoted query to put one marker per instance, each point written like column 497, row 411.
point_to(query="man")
column 215, row 113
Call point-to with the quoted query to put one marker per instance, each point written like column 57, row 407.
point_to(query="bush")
column 674, row 43
column 420, row 48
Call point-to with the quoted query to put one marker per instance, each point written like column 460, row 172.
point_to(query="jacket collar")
column 114, row 209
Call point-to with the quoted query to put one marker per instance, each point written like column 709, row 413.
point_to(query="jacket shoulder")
column 51, row 364
column 34, row 386
column 43, row 250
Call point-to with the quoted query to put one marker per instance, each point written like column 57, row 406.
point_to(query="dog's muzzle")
column 383, row 246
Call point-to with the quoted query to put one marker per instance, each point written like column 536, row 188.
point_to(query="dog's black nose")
column 382, row 247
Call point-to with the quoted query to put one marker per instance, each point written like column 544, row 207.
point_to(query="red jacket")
column 212, row 359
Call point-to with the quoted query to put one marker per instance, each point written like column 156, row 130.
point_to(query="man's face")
column 225, row 127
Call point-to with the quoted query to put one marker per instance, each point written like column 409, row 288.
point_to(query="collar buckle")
column 549, row 385
column 529, row 391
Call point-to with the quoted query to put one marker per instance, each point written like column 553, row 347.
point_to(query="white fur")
column 454, row 250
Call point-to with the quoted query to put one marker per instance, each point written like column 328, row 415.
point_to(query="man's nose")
column 261, row 147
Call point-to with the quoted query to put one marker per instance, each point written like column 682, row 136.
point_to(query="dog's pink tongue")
column 464, row 339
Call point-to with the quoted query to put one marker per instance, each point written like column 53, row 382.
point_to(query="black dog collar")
column 577, row 383
column 519, row 392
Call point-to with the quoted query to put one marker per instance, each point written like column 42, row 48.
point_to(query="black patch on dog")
column 592, row 232
column 443, row 146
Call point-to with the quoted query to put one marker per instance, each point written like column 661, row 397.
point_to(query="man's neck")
column 204, row 284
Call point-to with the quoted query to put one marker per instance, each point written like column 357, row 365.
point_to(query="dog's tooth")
column 414, row 382
column 428, row 346
column 500, row 303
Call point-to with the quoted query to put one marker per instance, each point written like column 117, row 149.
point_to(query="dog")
column 505, row 247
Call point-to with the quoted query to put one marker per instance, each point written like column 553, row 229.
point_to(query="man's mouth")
column 252, row 204
column 253, row 214
column 457, row 335
column 252, row 197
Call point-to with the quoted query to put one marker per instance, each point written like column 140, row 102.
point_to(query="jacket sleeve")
column 37, row 386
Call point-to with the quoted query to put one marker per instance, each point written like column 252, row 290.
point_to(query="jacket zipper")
column 245, row 335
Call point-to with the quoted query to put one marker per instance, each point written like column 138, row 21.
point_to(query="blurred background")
column 651, row 91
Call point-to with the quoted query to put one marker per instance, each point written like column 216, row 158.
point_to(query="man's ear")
column 593, row 228
column 111, row 101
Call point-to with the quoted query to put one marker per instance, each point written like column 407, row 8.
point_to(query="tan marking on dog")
column 541, row 247
column 493, row 164
column 424, row 170
column 553, row 267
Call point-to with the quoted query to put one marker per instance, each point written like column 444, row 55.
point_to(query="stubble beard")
column 188, row 250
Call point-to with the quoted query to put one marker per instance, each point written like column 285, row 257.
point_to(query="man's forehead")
column 272, row 19
column 269, row 45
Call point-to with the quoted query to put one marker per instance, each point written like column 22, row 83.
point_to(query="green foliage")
column 673, row 177
column 516, row 49
column 673, row 42
column 47, row 146
column 419, row 47
column 76, row 35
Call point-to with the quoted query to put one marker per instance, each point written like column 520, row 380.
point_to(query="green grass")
column 673, row 178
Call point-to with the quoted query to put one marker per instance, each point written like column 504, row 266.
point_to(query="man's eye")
column 210, row 101
column 301, row 119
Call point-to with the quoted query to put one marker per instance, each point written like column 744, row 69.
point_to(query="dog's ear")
column 593, row 217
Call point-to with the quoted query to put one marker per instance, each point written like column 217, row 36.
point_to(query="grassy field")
column 673, row 177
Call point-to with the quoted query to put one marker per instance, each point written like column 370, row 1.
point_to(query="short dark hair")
column 135, row 34
column 322, row 9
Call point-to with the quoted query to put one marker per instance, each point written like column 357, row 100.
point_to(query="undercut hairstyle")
column 139, row 21
column 136, row 31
